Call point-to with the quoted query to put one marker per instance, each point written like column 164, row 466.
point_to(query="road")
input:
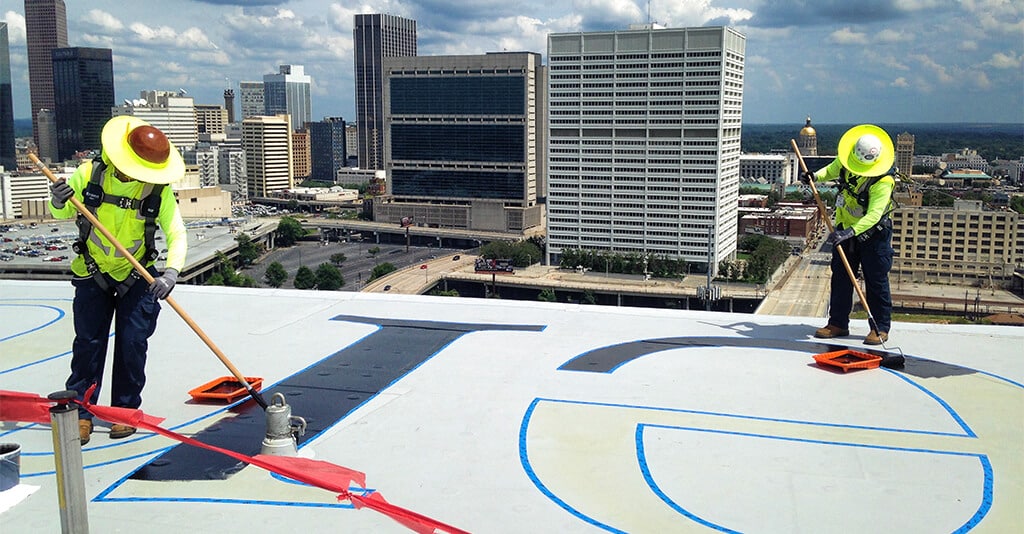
column 358, row 263
column 803, row 289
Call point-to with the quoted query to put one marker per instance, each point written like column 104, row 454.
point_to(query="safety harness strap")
column 148, row 207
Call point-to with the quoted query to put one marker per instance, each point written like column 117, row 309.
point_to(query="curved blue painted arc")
column 609, row 358
column 60, row 315
column 525, row 461
column 986, row 466
column 641, row 456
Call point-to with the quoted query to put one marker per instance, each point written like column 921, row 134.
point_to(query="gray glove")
column 162, row 286
column 60, row 192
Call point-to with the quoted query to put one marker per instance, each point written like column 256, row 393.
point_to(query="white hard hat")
column 867, row 149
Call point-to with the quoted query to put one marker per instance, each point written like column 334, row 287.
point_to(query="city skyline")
column 888, row 61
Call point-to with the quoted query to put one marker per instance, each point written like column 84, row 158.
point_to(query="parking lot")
column 37, row 242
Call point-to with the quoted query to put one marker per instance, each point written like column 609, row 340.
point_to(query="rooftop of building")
column 498, row 416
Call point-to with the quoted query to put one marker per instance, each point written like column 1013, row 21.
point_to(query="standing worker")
column 864, row 173
column 125, row 188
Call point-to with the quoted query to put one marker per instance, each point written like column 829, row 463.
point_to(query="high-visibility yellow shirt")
column 849, row 212
column 126, row 225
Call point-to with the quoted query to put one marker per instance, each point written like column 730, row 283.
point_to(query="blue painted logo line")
column 60, row 315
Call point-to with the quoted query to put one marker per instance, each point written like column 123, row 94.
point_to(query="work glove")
column 162, row 286
column 839, row 236
column 60, row 192
column 807, row 177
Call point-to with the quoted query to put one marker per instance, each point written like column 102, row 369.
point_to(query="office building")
column 352, row 145
column 302, row 163
column 644, row 149
column 327, row 147
column 251, row 94
column 267, row 142
column 767, row 169
column 376, row 37
column 211, row 119
column 287, row 93
column 46, row 120
column 16, row 189
column 46, row 28
column 8, row 156
column 229, row 104
column 905, row 153
column 464, row 141
column 963, row 244
column 83, row 90
column 172, row 112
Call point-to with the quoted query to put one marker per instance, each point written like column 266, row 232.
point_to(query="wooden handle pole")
column 149, row 280
column 838, row 247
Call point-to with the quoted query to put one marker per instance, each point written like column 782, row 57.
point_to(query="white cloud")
column 892, row 36
column 846, row 36
column 1000, row 60
column 105, row 21
column 900, row 82
column 15, row 28
column 979, row 79
column 968, row 45
column 891, row 62
column 941, row 73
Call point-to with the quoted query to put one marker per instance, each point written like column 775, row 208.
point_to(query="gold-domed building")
column 808, row 140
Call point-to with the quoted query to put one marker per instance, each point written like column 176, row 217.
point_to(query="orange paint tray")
column 225, row 389
column 848, row 359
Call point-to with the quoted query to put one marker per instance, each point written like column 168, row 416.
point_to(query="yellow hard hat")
column 866, row 150
column 141, row 151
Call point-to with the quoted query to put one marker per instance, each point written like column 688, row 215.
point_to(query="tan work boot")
column 876, row 338
column 84, row 430
column 121, row 431
column 830, row 331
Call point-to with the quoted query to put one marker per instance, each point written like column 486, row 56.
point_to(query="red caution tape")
column 30, row 408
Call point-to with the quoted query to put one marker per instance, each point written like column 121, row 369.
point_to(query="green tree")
column 275, row 276
column 328, row 277
column 289, row 230
column 443, row 293
column 227, row 275
column 1017, row 203
column 338, row 258
column 373, row 252
column 547, row 295
column 304, row 278
column 382, row 269
column 248, row 250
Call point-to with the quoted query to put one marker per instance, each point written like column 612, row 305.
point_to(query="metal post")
column 67, row 458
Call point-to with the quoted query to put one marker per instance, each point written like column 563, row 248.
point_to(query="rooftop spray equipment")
column 838, row 248
column 149, row 279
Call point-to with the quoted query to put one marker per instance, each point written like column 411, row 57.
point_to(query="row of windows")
column 457, row 183
column 491, row 95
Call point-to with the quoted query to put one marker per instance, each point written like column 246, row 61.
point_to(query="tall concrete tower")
column 46, row 28
column 376, row 37
column 644, row 144
column 229, row 104
column 905, row 153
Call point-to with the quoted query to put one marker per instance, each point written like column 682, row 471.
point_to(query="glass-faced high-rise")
column 8, row 157
column 83, row 93
column 644, row 146
column 287, row 92
column 327, row 148
column 46, row 28
column 376, row 37
column 464, row 138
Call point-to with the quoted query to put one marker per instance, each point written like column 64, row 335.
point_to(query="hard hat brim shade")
column 850, row 161
column 120, row 154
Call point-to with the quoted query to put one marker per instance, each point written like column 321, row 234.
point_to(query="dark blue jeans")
column 134, row 312
column 874, row 258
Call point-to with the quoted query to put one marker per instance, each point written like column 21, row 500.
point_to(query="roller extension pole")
column 149, row 280
column 838, row 248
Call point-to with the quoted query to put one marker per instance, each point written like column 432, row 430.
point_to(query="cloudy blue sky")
column 839, row 61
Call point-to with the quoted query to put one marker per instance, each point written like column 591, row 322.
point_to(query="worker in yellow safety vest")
column 125, row 189
column 863, row 170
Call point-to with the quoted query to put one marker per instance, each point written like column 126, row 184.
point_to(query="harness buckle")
column 126, row 203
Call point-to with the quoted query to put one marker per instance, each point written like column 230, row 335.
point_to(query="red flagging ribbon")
column 30, row 408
